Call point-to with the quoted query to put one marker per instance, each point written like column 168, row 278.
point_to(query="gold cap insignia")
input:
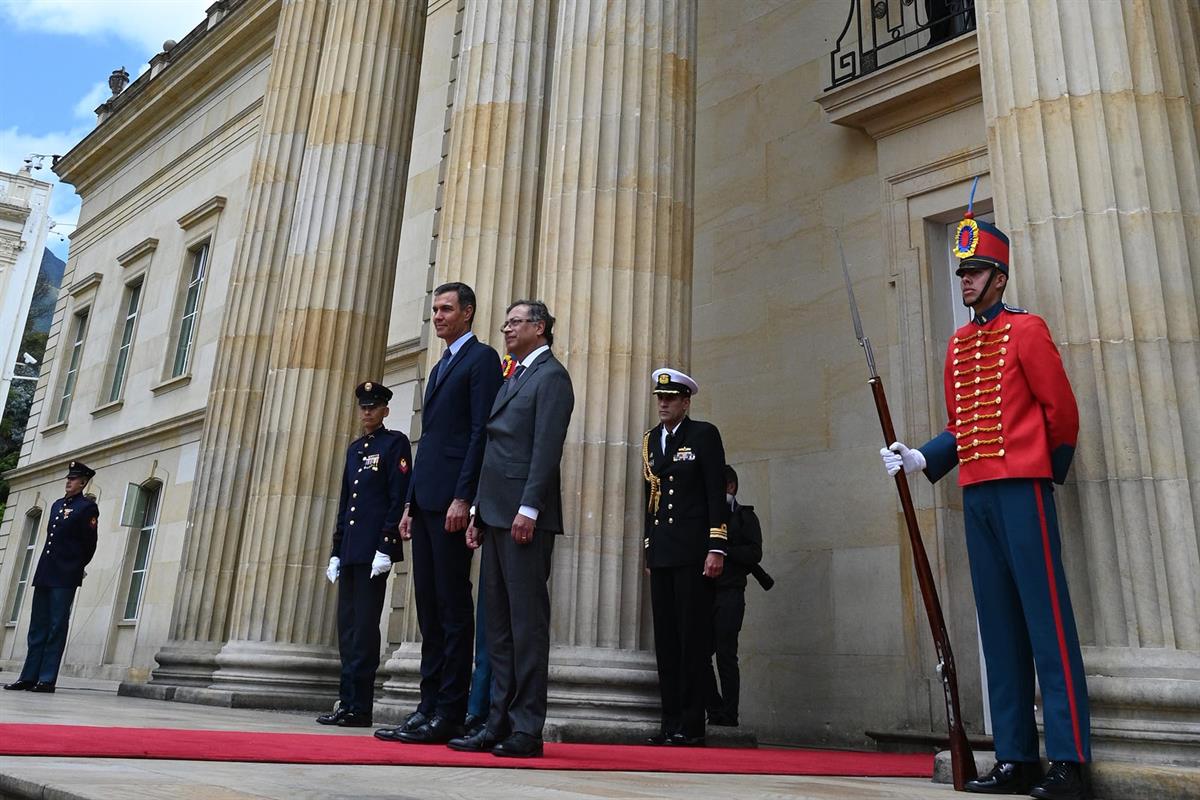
column 664, row 379
column 367, row 386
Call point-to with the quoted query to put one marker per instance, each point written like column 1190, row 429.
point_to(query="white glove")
column 381, row 565
column 900, row 455
column 331, row 572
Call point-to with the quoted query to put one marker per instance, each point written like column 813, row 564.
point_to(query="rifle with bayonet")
column 962, row 759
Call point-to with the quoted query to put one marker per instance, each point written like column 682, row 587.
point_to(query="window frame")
column 125, row 325
column 33, row 520
column 145, row 531
column 69, row 381
column 198, row 258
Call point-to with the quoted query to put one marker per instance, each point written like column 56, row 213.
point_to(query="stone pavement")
column 80, row 702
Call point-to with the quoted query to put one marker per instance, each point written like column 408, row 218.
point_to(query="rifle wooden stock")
column 962, row 759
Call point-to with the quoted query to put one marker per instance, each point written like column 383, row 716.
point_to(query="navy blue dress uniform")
column 743, row 552
column 374, row 485
column 686, row 519
column 458, row 399
column 70, row 545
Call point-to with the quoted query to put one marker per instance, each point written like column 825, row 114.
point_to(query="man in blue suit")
column 458, row 396
column 366, row 538
column 70, row 545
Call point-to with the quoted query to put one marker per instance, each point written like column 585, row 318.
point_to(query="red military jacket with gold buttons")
column 1011, row 410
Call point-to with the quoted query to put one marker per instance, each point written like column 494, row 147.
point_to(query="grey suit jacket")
column 525, row 435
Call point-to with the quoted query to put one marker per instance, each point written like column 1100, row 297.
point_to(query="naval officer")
column 366, row 539
column 686, row 536
column 70, row 545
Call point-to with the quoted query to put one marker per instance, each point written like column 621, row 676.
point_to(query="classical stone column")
column 615, row 267
column 231, row 429
column 1092, row 113
column 487, row 226
column 329, row 333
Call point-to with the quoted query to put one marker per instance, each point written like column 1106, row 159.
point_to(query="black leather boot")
column 1007, row 777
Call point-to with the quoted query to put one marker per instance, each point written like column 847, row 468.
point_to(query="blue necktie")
column 442, row 366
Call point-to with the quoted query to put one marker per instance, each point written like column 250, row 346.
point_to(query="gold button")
column 351, row 522
column 355, row 494
column 655, row 522
column 672, row 478
column 1001, row 451
column 670, row 491
column 671, row 520
column 978, row 356
column 366, row 445
column 957, row 384
column 356, row 481
column 351, row 508
column 670, row 506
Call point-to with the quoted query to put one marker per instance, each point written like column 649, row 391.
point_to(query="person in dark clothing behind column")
column 742, row 554
column 366, row 539
column 59, row 574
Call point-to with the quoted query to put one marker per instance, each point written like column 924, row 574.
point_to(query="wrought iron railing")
column 882, row 32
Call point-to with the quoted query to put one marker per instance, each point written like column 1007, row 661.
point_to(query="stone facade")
column 672, row 176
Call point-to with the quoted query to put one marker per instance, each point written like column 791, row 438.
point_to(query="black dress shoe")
column 43, row 686
column 19, row 685
column 333, row 717
column 1007, row 777
column 355, row 719
column 519, row 745
column 1064, row 781
column 438, row 730
column 480, row 741
column 411, row 723
column 683, row 740
column 657, row 739
column 474, row 722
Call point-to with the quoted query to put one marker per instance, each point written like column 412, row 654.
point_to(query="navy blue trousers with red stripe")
column 1025, row 619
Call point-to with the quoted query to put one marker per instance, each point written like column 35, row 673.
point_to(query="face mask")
column 729, row 498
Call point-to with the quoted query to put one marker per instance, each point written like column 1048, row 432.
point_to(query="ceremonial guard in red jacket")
column 1012, row 429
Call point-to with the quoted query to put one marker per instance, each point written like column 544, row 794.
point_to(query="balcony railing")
column 881, row 32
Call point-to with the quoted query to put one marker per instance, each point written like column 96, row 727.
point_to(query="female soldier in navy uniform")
column 366, row 538
column 70, row 545
column 683, row 462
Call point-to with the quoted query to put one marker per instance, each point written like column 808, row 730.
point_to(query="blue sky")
column 55, row 59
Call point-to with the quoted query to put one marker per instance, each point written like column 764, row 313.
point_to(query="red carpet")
column 315, row 748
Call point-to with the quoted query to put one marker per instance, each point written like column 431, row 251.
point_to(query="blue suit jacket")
column 70, row 542
column 453, row 427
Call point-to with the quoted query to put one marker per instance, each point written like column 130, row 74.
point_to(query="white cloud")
column 86, row 107
column 146, row 23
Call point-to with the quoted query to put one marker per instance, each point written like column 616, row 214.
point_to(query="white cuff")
column 528, row 511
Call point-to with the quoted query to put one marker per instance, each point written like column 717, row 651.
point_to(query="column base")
column 596, row 694
column 243, row 674
column 183, row 663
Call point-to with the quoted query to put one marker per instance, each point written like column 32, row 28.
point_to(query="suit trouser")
column 360, row 604
column 480, row 699
column 729, row 609
column 1025, row 619
column 49, row 620
column 445, row 613
column 681, row 599
column 514, row 577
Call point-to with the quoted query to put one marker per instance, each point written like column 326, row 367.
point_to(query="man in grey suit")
column 517, row 513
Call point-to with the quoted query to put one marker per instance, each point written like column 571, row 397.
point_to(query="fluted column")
column 329, row 333
column 231, row 428
column 1092, row 114
column 615, row 267
column 487, row 226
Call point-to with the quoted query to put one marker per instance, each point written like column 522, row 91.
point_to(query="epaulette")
column 1014, row 309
